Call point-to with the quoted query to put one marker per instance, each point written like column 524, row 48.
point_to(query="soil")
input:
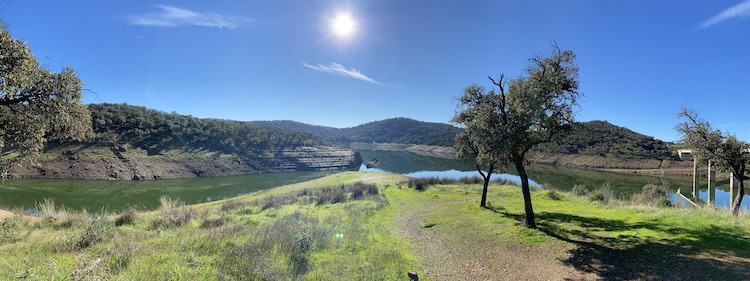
column 442, row 260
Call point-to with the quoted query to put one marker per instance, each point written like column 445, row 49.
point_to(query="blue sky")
column 640, row 61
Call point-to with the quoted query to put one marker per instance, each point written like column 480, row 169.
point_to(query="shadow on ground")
column 712, row 253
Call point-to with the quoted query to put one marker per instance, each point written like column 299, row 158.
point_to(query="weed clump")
column 295, row 236
column 172, row 213
column 604, row 194
column 331, row 195
column 651, row 194
column 98, row 231
column 126, row 217
column 9, row 230
column 211, row 223
column 231, row 205
column 554, row 195
column 579, row 190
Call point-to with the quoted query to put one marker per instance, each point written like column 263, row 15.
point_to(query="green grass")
column 290, row 233
column 616, row 240
column 293, row 236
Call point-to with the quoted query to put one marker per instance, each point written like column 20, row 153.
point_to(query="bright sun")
column 343, row 25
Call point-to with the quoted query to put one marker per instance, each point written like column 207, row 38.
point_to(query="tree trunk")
column 530, row 222
column 483, row 203
column 737, row 201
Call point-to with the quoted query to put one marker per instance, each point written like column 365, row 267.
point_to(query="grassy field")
column 376, row 226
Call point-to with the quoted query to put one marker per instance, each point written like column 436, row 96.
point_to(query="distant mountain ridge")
column 593, row 138
column 393, row 130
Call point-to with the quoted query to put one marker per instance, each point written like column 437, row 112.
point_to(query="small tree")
column 725, row 151
column 502, row 127
column 36, row 105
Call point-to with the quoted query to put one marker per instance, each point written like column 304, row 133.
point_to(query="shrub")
column 231, row 205
column 331, row 195
column 89, row 270
column 372, row 189
column 652, row 194
column 211, row 223
column 47, row 210
column 9, row 230
column 358, row 191
column 120, row 253
column 500, row 181
column 99, row 230
column 294, row 236
column 127, row 217
column 172, row 213
column 603, row 194
column 579, row 190
column 554, row 195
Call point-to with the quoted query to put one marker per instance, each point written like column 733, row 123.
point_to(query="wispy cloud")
column 741, row 10
column 337, row 69
column 170, row 16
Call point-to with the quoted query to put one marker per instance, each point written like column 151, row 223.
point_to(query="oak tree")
column 36, row 104
column 724, row 151
column 501, row 127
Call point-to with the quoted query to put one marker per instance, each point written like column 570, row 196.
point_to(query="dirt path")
column 484, row 260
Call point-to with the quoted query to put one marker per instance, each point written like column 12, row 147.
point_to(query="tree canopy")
column 711, row 145
column 600, row 138
column 502, row 126
column 157, row 131
column 36, row 104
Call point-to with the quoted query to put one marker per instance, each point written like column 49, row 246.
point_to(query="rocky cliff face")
column 126, row 163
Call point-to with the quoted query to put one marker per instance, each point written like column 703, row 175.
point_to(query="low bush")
column 579, row 190
column 231, row 205
column 211, row 223
column 9, row 230
column 172, row 213
column 554, row 195
column 294, row 236
column 603, row 194
column 126, row 217
column 651, row 194
column 331, row 195
column 98, row 231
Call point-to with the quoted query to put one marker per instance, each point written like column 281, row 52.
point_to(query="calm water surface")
column 544, row 176
column 113, row 196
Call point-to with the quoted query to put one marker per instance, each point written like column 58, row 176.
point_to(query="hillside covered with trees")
column 394, row 130
column 156, row 131
column 593, row 138
column 600, row 138
column 133, row 142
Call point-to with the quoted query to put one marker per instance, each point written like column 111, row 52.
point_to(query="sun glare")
column 343, row 25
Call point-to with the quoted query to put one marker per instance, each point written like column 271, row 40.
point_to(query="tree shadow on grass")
column 711, row 253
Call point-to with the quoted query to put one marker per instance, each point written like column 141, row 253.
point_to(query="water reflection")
column 545, row 176
column 98, row 196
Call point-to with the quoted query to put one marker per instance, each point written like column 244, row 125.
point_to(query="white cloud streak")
column 171, row 16
column 340, row 70
column 741, row 10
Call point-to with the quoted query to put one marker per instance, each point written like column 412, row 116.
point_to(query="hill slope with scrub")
column 133, row 142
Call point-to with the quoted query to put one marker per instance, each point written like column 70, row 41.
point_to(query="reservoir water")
column 113, row 196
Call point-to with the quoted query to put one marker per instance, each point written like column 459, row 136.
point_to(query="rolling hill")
column 394, row 130
column 133, row 142
column 593, row 138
